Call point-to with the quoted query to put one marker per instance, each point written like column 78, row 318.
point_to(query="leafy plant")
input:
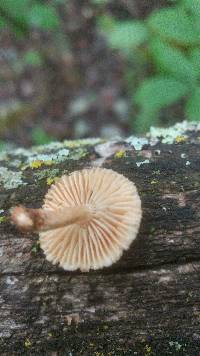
column 126, row 35
column 168, row 42
column 23, row 15
column 43, row 16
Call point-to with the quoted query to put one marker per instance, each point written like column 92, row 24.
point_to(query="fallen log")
column 148, row 303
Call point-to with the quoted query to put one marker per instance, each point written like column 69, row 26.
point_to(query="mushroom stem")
column 30, row 220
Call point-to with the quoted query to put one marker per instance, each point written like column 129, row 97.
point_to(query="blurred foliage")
column 166, row 45
column 2, row 145
column 100, row 2
column 22, row 15
column 162, row 52
column 24, row 18
column 40, row 137
column 33, row 58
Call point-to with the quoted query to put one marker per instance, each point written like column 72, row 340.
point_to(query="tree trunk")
column 146, row 304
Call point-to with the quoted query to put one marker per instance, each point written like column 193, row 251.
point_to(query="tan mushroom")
column 87, row 220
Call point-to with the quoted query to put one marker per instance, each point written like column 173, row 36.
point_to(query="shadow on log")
column 146, row 304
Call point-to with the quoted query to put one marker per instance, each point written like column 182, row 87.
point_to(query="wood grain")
column 147, row 303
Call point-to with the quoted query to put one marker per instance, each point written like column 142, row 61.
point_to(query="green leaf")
column 33, row 58
column 106, row 23
column 192, row 5
column 173, row 61
column 153, row 95
column 174, row 24
column 16, row 8
column 44, row 17
column 2, row 22
column 14, row 14
column 194, row 56
column 158, row 92
column 127, row 35
column 193, row 106
column 145, row 119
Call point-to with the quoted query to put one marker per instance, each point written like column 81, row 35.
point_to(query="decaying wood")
column 146, row 304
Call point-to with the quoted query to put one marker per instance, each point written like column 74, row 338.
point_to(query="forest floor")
column 67, row 85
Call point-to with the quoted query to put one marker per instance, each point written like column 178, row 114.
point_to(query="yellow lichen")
column 180, row 139
column 70, row 144
column 154, row 181
column 2, row 219
column 51, row 180
column 36, row 164
column 27, row 343
column 148, row 350
column 24, row 167
column 48, row 163
column 120, row 154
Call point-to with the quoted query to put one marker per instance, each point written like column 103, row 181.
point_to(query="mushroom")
column 88, row 218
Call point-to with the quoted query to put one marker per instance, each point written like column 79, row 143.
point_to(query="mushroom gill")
column 88, row 218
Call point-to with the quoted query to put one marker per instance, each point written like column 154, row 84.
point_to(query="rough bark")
column 146, row 304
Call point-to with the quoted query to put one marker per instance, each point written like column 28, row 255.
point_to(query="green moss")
column 152, row 229
column 35, row 248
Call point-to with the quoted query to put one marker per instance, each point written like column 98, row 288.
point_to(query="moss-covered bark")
column 148, row 302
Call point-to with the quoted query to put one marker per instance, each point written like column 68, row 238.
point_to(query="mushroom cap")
column 116, row 215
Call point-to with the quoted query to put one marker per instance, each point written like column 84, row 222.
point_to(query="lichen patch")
column 46, row 173
column 11, row 179
column 146, row 161
column 137, row 142
column 173, row 134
